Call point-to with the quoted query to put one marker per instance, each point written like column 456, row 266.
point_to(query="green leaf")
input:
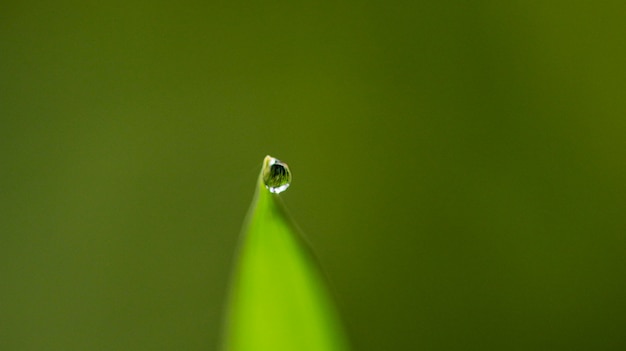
column 279, row 300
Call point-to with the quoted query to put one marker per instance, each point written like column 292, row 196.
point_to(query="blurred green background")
column 459, row 167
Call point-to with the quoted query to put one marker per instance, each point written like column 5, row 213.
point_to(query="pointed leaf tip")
column 279, row 300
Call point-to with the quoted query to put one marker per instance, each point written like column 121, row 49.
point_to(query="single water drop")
column 276, row 175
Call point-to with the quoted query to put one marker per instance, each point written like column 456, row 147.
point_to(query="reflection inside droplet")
column 276, row 175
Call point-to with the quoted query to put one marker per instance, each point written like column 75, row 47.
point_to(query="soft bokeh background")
column 459, row 167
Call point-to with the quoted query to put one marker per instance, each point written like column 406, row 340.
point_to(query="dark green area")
column 459, row 168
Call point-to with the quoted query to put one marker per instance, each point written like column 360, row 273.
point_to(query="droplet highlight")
column 276, row 175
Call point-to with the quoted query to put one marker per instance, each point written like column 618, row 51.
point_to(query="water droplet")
column 276, row 175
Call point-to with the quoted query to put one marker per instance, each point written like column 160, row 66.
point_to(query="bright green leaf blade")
column 279, row 300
